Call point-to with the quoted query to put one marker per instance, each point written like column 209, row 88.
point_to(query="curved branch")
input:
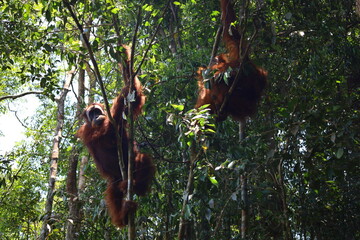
column 17, row 117
column 216, row 44
column 20, row 95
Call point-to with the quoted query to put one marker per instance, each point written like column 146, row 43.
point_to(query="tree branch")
column 99, row 79
column 152, row 39
column 20, row 95
column 216, row 44
column 131, row 216
column 60, row 101
column 243, row 53
column 183, row 223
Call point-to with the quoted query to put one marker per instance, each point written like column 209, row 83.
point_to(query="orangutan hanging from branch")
column 232, row 84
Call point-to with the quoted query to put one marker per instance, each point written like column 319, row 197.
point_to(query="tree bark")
column 282, row 188
column 74, row 218
column 131, row 227
column 243, row 182
column 81, row 182
column 92, row 83
column 244, row 211
column 184, row 223
column 46, row 228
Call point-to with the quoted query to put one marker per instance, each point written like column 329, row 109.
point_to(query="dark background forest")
column 295, row 175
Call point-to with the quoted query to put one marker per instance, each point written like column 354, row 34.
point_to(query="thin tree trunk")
column 184, row 223
column 168, row 210
column 243, row 182
column 279, row 180
column 81, row 182
column 74, row 219
column 286, row 224
column 244, row 211
column 46, row 228
column 92, row 83
column 127, row 69
column 131, row 222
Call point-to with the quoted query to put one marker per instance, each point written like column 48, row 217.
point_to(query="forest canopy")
column 291, row 170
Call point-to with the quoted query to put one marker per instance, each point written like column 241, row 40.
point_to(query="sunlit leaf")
column 178, row 107
column 213, row 181
column 115, row 10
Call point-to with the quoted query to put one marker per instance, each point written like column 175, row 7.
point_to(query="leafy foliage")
column 299, row 157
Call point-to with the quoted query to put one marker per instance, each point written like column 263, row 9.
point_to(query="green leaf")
column 215, row 13
column 214, row 181
column 115, row 10
column 148, row 7
column 142, row 75
column 339, row 153
column 209, row 130
column 178, row 107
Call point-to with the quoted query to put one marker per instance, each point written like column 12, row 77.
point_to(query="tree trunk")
column 168, row 210
column 46, row 228
column 244, row 206
column 92, row 83
column 74, row 218
column 184, row 224
column 81, row 182
column 243, row 182
column 285, row 222
column 130, row 170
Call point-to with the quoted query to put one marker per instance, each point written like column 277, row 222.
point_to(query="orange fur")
column 252, row 79
column 100, row 139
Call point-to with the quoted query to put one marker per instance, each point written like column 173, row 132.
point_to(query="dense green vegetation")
column 299, row 161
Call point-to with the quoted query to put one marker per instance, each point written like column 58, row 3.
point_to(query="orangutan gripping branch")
column 99, row 136
column 222, row 73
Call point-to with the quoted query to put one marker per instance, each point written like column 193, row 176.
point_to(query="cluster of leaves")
column 299, row 157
